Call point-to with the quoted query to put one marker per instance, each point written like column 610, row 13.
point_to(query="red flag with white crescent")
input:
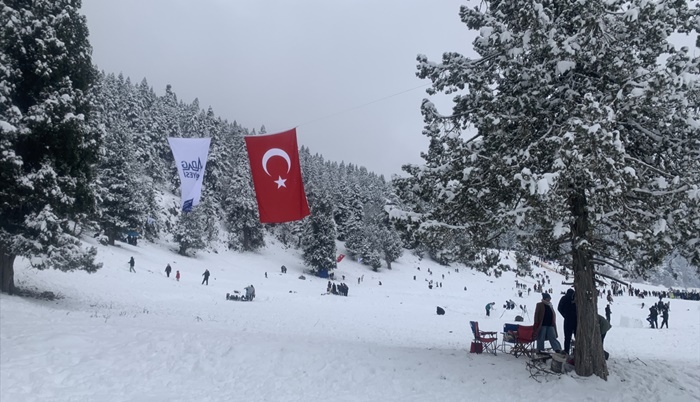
column 274, row 165
column 340, row 258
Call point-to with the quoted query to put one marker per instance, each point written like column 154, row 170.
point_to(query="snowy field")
column 121, row 336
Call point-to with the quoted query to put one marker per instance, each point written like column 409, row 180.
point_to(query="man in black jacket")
column 206, row 277
column 567, row 309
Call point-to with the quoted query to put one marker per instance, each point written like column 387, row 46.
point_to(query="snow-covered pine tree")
column 390, row 244
column 121, row 189
column 523, row 263
column 190, row 231
column 246, row 233
column 359, row 244
column 583, row 142
column 150, row 137
column 48, row 147
column 318, row 240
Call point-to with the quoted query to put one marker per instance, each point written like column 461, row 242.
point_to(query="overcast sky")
column 315, row 64
column 306, row 63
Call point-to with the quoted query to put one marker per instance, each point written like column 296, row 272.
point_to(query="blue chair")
column 509, row 337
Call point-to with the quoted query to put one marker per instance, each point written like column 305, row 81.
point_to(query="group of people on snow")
column 654, row 311
column 340, row 289
column 545, row 323
column 169, row 269
column 237, row 296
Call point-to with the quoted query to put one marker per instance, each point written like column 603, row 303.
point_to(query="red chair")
column 487, row 339
column 524, row 341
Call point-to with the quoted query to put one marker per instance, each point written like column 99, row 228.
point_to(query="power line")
column 361, row 106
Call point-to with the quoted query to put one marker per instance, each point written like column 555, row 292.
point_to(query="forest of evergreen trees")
column 85, row 152
column 137, row 173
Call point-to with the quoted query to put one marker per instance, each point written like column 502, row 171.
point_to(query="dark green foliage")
column 523, row 262
column 583, row 145
column 190, row 232
column 49, row 145
column 318, row 242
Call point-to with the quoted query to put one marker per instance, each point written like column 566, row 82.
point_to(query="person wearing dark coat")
column 653, row 316
column 567, row 309
column 131, row 265
column 664, row 316
column 168, row 270
column 605, row 326
column 206, row 277
column 608, row 312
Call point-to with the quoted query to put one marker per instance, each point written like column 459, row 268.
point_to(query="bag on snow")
column 476, row 347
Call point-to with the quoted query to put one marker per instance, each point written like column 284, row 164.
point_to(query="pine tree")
column 48, row 147
column 389, row 244
column 584, row 143
column 190, row 232
column 318, row 242
column 242, row 221
column 121, row 201
column 523, row 263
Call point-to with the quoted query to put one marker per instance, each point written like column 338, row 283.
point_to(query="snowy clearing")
column 120, row 336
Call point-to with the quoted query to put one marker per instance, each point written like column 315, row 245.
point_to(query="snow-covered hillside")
column 121, row 336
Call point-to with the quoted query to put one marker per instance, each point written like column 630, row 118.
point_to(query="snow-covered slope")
column 121, row 336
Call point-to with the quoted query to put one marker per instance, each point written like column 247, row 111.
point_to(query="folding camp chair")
column 524, row 341
column 488, row 340
column 508, row 337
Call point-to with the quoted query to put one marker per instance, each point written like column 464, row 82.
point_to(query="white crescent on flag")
column 275, row 152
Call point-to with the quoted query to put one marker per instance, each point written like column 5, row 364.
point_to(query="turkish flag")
column 340, row 258
column 274, row 164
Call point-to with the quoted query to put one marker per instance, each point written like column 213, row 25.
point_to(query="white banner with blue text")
column 191, row 159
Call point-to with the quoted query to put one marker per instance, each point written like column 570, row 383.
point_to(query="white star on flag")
column 280, row 182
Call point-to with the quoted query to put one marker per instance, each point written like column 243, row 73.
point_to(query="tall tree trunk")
column 111, row 236
column 7, row 272
column 183, row 249
column 246, row 239
column 589, row 345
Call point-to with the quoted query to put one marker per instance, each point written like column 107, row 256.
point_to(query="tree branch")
column 599, row 261
column 611, row 278
column 659, row 171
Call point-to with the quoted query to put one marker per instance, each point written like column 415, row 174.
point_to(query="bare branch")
column 612, row 279
column 659, row 171
column 676, row 191
column 598, row 261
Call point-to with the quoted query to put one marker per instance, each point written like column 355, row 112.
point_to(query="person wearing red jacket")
column 177, row 276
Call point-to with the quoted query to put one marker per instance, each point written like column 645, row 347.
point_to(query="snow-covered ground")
column 121, row 336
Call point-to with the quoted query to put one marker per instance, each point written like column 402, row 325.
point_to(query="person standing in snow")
column 206, row 277
column 168, row 270
column 664, row 317
column 546, row 324
column 605, row 326
column 653, row 316
column 567, row 309
column 131, row 265
column 608, row 312
column 489, row 307
column 250, row 293
column 177, row 276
